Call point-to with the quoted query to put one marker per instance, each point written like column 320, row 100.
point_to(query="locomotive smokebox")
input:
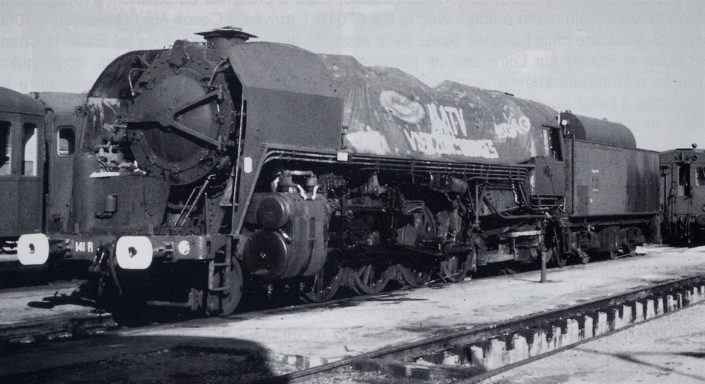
column 183, row 113
column 221, row 39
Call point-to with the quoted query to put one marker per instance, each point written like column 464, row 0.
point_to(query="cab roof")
column 15, row 102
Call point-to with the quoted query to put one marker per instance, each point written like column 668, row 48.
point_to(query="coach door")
column 62, row 147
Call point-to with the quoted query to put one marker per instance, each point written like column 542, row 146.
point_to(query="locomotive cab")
column 683, row 194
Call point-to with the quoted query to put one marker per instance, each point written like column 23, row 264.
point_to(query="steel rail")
column 55, row 328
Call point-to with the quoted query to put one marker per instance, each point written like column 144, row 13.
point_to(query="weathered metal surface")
column 391, row 113
column 289, row 94
column 115, row 80
column 609, row 180
column 598, row 131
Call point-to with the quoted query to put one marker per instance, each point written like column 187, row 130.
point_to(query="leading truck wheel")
column 230, row 297
column 556, row 258
column 454, row 268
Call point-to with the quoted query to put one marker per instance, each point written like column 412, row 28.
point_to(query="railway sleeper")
column 504, row 347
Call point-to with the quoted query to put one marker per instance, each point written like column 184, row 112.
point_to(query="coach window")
column 700, row 176
column 29, row 146
column 5, row 147
column 684, row 180
column 66, row 141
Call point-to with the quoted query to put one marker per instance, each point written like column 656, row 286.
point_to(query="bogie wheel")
column 454, row 268
column 414, row 276
column 325, row 285
column 371, row 279
column 230, row 298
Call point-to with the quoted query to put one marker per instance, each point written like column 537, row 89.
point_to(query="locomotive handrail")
column 133, row 93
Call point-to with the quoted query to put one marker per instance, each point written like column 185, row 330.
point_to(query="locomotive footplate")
column 127, row 265
column 132, row 252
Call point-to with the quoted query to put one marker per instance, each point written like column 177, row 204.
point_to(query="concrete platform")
column 328, row 333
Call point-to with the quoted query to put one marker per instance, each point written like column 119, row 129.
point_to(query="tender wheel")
column 629, row 245
column 371, row 279
column 232, row 295
column 613, row 252
column 325, row 285
column 629, row 239
column 454, row 268
column 413, row 276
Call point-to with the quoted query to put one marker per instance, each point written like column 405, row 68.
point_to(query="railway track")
column 72, row 325
column 476, row 354
column 48, row 313
column 57, row 328
column 464, row 356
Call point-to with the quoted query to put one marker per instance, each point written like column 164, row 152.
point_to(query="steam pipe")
column 507, row 217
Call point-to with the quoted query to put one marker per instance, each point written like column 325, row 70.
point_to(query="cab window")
column 5, row 147
column 684, row 180
column 66, row 141
column 30, row 150
column 700, row 176
column 556, row 141
column 552, row 140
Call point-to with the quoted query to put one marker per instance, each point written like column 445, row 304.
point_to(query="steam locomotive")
column 207, row 167
column 37, row 139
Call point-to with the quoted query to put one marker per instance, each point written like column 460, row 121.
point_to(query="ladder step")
column 220, row 264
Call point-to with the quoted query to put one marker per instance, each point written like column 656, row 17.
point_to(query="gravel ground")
column 39, row 303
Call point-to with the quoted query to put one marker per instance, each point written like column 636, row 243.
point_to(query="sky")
column 637, row 62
